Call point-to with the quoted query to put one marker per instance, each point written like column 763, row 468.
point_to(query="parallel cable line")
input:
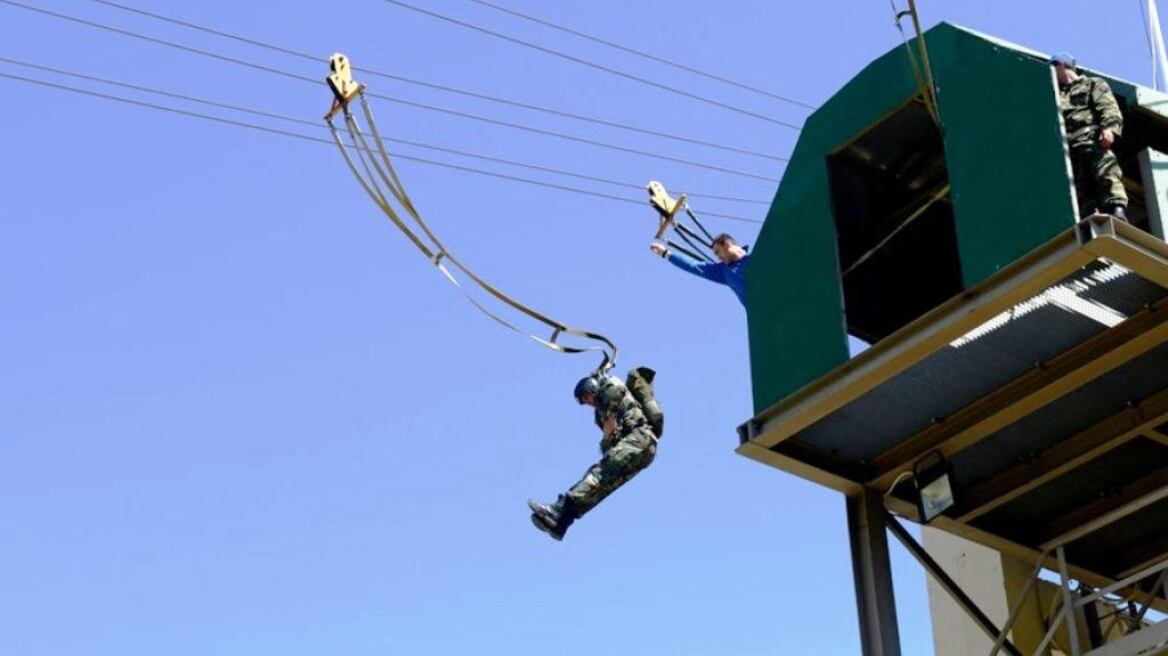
column 318, row 124
column 569, row 137
column 447, row 88
column 409, row 103
column 639, row 53
column 304, row 137
column 591, row 64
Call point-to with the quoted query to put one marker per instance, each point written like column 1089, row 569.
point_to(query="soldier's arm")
column 609, row 425
column 1107, row 108
column 608, row 400
column 713, row 271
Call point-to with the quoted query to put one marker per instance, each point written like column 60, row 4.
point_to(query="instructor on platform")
column 729, row 270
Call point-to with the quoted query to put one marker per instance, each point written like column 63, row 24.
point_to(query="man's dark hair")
column 724, row 239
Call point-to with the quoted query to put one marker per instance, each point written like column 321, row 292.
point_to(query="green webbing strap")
column 436, row 252
column 486, row 286
column 700, row 256
column 698, row 223
column 677, row 247
column 688, row 235
column 374, row 192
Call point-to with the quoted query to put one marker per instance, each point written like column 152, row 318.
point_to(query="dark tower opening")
column 895, row 233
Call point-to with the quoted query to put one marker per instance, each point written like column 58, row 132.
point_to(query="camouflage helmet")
column 587, row 385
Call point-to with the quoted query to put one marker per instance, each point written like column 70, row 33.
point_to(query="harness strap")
column 382, row 169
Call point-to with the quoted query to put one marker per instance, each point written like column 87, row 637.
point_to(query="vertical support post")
column 1094, row 625
column 872, row 572
column 1154, row 173
column 1072, row 622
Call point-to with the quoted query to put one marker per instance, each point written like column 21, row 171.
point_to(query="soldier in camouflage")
column 1093, row 123
column 627, row 447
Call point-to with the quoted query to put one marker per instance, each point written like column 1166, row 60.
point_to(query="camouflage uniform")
column 1089, row 107
column 628, row 449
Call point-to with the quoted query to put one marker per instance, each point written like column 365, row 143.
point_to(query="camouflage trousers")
column 630, row 454
column 1098, row 178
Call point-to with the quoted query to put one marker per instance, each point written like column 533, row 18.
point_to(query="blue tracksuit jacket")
column 731, row 275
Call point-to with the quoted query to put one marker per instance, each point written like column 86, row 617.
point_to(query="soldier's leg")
column 1110, row 193
column 1082, row 169
column 624, row 460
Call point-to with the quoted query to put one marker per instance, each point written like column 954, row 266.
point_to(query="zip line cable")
column 639, row 53
column 409, row 103
column 591, row 64
column 569, row 137
column 304, row 137
column 318, row 124
column 449, row 89
column 435, row 250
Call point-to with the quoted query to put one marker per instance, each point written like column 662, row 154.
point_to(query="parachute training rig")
column 667, row 209
column 377, row 171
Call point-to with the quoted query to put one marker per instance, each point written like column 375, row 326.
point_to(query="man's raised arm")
column 713, row 271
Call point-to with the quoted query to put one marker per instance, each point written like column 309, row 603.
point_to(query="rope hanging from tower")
column 922, row 72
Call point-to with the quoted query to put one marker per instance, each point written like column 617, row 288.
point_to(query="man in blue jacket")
column 729, row 270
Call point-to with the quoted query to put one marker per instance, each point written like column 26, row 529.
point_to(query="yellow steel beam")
column 1093, row 358
column 996, row 542
column 1101, row 513
column 1073, row 452
column 1024, row 278
column 1157, row 436
column 798, row 468
column 1130, row 247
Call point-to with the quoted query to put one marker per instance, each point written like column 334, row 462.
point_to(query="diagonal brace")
column 948, row 584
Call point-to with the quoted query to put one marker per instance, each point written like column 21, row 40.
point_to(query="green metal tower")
column 870, row 156
column 1016, row 388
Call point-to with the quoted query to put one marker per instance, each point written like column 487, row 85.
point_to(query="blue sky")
column 239, row 415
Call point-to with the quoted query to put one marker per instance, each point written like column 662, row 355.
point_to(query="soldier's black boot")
column 1119, row 212
column 552, row 519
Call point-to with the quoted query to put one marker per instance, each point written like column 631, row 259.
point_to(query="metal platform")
column 1046, row 387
